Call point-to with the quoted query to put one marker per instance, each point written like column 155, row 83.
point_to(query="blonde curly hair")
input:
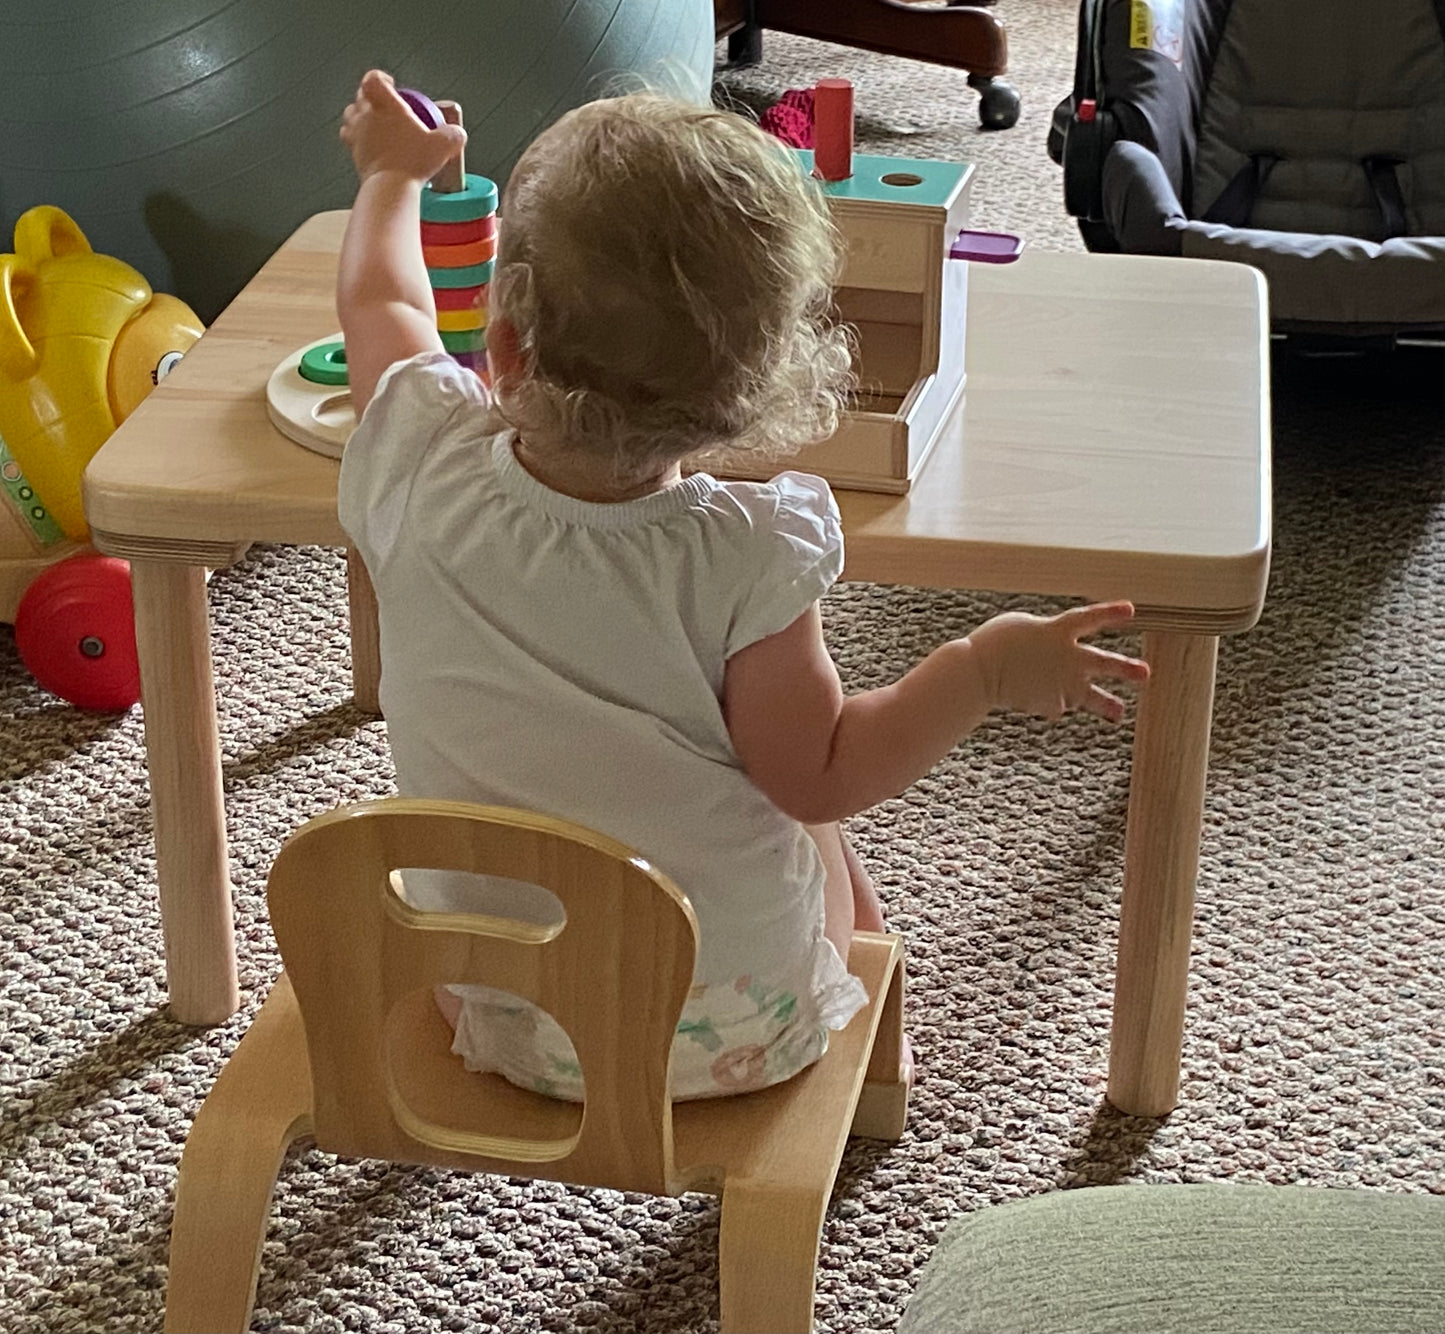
column 668, row 269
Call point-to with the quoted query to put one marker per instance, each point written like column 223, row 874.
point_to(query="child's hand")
column 1035, row 664
column 383, row 134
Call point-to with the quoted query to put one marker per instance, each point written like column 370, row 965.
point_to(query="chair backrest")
column 1344, row 104
column 1316, row 116
column 364, row 963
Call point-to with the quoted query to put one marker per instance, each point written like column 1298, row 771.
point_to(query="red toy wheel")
column 75, row 629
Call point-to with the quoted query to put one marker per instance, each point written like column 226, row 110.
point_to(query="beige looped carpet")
column 1314, row 1046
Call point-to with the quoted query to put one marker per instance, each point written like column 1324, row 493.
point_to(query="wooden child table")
column 1113, row 443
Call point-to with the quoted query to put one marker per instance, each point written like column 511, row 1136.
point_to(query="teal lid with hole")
column 896, row 180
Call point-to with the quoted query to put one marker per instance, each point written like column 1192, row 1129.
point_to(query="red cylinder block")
column 833, row 129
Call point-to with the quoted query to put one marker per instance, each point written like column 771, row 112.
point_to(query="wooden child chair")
column 350, row 1049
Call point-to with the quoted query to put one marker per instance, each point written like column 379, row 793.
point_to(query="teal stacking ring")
column 473, row 275
column 324, row 364
column 476, row 200
column 464, row 340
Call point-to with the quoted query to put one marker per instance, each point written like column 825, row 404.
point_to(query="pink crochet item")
column 791, row 118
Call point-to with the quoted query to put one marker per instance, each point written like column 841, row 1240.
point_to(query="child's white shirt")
column 567, row 657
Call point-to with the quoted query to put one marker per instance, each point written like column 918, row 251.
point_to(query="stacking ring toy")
column 472, row 275
column 423, row 108
column 459, row 256
column 458, row 233
column 325, row 363
column 463, row 340
column 478, row 198
column 315, row 414
column 461, row 298
column 453, row 321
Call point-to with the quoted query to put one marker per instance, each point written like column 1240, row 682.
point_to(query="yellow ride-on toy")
column 82, row 340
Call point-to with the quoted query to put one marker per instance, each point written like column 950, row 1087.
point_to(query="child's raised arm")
column 383, row 295
column 823, row 756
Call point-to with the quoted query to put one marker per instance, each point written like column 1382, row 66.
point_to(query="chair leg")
column 768, row 1257
column 882, row 1110
column 365, row 635
column 260, row 1103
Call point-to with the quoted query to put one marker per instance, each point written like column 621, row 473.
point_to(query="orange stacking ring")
column 455, row 321
column 460, row 256
column 458, row 233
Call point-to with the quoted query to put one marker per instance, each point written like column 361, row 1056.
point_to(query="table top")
column 1116, row 443
column 1115, row 440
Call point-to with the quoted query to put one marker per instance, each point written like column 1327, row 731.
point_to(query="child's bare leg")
column 838, row 911
column 867, row 909
column 850, row 900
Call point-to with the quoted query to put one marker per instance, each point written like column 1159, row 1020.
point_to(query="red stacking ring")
column 458, row 233
column 460, row 298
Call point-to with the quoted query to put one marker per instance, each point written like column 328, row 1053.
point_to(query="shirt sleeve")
column 800, row 555
column 414, row 402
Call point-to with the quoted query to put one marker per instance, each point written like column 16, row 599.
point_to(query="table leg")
column 183, row 754
column 365, row 635
column 1161, row 861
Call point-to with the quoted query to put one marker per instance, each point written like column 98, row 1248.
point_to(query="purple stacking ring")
column 423, row 108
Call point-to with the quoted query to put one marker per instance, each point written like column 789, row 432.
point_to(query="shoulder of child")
column 795, row 554
column 414, row 406
column 793, row 516
column 431, row 382
column 785, row 499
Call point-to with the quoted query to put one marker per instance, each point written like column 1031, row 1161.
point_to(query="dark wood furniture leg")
column 963, row 36
column 744, row 33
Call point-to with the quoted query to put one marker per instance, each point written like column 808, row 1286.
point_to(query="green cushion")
column 1206, row 1259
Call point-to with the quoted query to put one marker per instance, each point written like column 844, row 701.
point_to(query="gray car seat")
column 1304, row 137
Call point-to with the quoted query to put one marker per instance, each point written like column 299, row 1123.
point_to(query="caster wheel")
column 75, row 629
column 998, row 104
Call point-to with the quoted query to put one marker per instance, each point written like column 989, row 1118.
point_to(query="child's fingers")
column 1117, row 666
column 1097, row 617
column 349, row 117
column 378, row 83
column 1107, row 706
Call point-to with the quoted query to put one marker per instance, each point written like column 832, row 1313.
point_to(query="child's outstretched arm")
column 823, row 756
column 383, row 295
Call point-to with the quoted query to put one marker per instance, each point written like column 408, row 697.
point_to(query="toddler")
column 573, row 622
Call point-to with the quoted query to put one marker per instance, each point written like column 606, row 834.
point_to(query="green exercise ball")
column 191, row 137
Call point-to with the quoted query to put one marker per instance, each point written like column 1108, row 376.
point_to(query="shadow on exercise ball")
column 210, row 262
column 185, row 131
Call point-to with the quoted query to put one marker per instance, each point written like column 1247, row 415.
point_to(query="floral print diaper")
column 732, row 1037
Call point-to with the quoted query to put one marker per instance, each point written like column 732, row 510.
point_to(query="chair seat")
column 1335, row 283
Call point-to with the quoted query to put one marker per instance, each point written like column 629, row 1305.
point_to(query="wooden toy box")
column 907, row 301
